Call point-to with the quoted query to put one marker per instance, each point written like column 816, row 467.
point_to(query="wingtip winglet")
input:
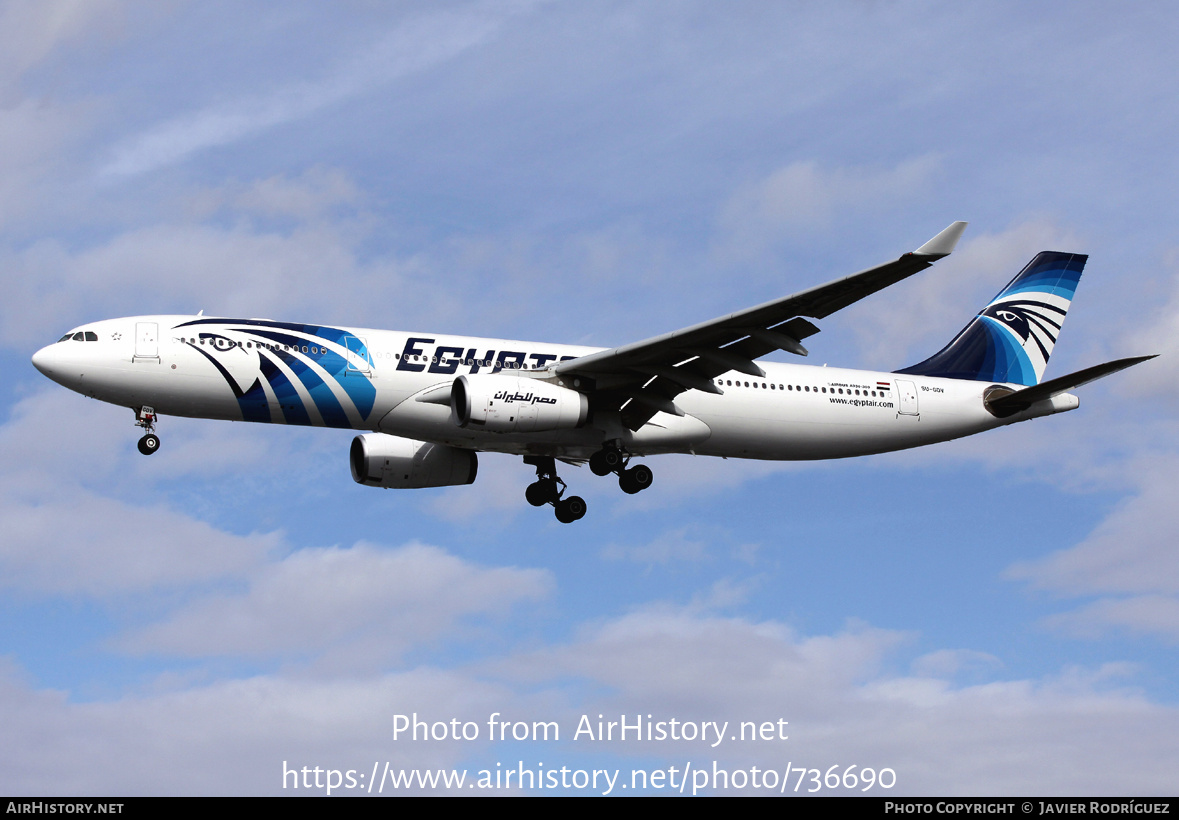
column 943, row 244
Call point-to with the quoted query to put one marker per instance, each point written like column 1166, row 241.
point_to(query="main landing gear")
column 610, row 459
column 145, row 417
column 549, row 489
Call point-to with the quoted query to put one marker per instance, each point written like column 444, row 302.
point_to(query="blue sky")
column 991, row 616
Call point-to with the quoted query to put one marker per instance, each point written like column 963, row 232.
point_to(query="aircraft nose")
column 50, row 361
column 41, row 359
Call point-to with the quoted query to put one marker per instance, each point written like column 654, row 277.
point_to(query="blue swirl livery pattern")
column 287, row 372
column 1011, row 339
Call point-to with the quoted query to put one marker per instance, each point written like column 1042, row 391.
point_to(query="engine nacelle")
column 381, row 460
column 503, row 404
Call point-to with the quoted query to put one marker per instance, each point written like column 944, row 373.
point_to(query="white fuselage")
column 373, row 380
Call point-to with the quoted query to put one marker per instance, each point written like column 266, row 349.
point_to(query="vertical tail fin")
column 1011, row 339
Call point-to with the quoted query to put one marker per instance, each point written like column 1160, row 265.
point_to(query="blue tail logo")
column 1011, row 339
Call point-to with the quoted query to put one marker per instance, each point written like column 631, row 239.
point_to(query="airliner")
column 428, row 403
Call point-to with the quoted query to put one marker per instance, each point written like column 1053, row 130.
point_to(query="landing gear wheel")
column 636, row 479
column 542, row 491
column 535, row 494
column 145, row 417
column 570, row 509
column 548, row 489
column 606, row 461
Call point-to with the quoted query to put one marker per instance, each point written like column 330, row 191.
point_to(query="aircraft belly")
column 821, row 431
column 666, row 433
column 431, row 422
column 156, row 385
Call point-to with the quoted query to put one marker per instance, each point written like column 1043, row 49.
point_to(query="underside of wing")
column 644, row 378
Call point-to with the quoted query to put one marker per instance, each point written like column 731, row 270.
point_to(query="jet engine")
column 503, row 404
column 381, row 460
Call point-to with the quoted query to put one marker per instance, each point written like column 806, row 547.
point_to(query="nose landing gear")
column 610, row 459
column 145, row 417
column 549, row 489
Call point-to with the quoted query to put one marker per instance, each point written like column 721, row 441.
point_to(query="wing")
column 643, row 378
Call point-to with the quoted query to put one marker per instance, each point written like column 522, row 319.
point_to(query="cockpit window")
column 79, row 336
column 91, row 336
column 65, row 338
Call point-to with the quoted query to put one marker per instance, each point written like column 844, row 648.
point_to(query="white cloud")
column 946, row 664
column 39, row 124
column 231, row 271
column 418, row 44
column 30, row 31
column 805, row 196
column 231, row 737
column 681, row 478
column 841, row 701
column 287, row 247
column 33, row 138
column 496, row 496
column 1131, row 551
column 674, row 545
column 364, row 604
column 1049, row 736
column 66, row 530
column 308, row 197
column 79, row 542
column 1158, row 332
column 1129, row 559
column 1153, row 615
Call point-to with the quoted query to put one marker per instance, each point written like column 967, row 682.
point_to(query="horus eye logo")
column 1029, row 319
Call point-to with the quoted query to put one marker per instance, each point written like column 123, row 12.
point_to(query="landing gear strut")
column 549, row 489
column 610, row 459
column 145, row 417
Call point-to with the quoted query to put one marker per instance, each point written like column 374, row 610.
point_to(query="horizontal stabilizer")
column 1012, row 403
